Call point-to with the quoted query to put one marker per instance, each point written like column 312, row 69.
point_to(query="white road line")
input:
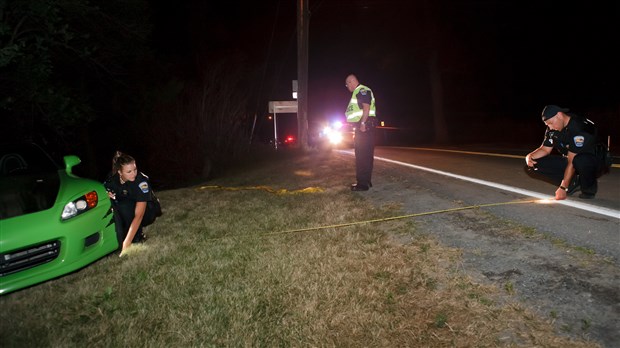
column 583, row 206
column 469, row 152
column 476, row 153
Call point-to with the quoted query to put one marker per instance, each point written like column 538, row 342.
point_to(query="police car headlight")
column 335, row 138
column 326, row 131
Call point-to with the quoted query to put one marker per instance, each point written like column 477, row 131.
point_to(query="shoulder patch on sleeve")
column 144, row 186
column 363, row 91
column 579, row 140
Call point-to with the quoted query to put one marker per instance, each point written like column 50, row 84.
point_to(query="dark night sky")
column 497, row 57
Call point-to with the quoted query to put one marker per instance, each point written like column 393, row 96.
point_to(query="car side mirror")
column 70, row 162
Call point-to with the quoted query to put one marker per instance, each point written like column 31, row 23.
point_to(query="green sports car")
column 51, row 221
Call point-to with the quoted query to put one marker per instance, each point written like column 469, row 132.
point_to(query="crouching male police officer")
column 574, row 137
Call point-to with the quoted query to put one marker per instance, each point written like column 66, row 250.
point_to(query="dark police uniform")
column 127, row 195
column 364, row 143
column 579, row 137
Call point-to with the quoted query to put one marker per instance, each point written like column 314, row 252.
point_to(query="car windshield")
column 24, row 160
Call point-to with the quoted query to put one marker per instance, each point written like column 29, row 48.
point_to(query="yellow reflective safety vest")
column 354, row 112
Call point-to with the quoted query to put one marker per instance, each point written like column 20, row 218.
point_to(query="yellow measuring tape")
column 264, row 188
column 318, row 189
column 403, row 216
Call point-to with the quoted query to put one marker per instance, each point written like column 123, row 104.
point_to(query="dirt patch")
column 575, row 290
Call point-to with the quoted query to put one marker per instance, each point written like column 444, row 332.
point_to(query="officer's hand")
column 529, row 161
column 362, row 127
column 126, row 245
column 560, row 194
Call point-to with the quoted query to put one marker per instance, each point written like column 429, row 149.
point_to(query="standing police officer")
column 361, row 113
column 575, row 138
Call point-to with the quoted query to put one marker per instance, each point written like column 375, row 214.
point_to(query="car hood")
column 26, row 194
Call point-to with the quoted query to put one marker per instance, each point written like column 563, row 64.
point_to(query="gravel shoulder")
column 575, row 289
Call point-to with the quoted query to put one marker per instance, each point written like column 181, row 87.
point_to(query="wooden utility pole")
column 435, row 73
column 302, row 73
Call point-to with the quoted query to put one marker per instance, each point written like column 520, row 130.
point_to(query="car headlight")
column 333, row 134
column 80, row 205
column 335, row 138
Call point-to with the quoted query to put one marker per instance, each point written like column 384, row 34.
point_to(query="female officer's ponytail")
column 119, row 160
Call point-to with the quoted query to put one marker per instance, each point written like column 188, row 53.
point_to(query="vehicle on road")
column 334, row 134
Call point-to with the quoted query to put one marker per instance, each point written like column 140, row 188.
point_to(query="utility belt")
column 371, row 122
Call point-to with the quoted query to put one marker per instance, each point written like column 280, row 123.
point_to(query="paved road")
column 495, row 176
column 548, row 275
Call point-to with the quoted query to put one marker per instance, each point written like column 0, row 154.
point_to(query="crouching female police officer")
column 130, row 191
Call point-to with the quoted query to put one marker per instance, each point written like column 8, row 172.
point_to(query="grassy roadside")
column 228, row 266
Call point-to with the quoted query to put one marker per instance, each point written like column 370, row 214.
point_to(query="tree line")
column 84, row 77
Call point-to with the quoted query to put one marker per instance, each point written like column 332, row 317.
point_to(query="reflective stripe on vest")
column 354, row 112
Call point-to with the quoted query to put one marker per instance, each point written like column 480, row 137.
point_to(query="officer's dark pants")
column 364, row 155
column 552, row 168
column 123, row 216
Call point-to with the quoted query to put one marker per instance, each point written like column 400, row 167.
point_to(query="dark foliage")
column 88, row 78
